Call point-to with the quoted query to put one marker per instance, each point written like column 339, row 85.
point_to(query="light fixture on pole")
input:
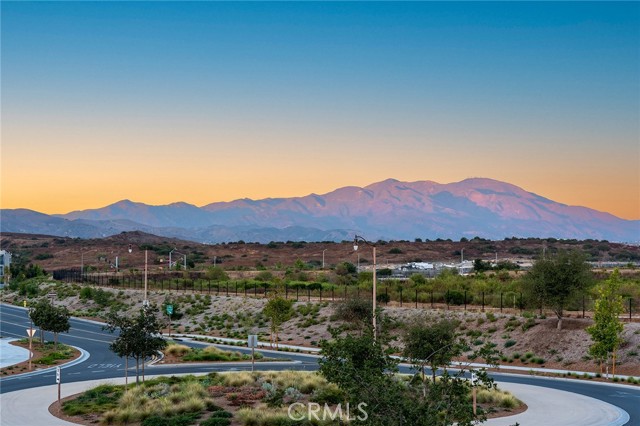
column 184, row 257
column 82, row 262
column 375, row 293
column 30, row 332
column 145, row 302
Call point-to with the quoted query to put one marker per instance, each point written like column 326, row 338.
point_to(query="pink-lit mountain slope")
column 388, row 210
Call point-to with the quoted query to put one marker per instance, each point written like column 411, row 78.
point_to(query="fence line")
column 387, row 295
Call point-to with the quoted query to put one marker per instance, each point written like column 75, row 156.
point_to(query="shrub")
column 528, row 324
column 216, row 421
column 329, row 394
column 510, row 343
column 454, row 297
column 180, row 420
column 383, row 298
column 177, row 350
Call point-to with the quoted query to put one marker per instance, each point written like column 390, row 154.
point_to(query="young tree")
column 553, row 281
column 607, row 327
column 361, row 366
column 139, row 336
column 216, row 273
column 434, row 344
column 279, row 311
column 50, row 318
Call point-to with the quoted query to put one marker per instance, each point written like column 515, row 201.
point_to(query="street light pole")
column 30, row 331
column 323, row 258
column 145, row 301
column 375, row 293
column 82, row 262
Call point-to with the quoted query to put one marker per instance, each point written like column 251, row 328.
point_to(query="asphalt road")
column 103, row 364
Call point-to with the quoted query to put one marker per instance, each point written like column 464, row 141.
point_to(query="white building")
column 5, row 262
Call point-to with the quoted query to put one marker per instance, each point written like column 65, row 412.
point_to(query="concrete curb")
column 84, row 355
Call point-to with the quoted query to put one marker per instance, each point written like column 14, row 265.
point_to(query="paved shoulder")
column 551, row 407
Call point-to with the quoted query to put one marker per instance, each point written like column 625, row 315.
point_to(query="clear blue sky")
column 281, row 99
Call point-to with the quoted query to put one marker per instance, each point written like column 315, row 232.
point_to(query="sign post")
column 58, row 382
column 170, row 313
column 473, row 392
column 30, row 332
column 252, row 342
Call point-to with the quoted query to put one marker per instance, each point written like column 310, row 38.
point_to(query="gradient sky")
column 199, row 102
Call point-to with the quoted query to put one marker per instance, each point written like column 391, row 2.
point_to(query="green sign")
column 169, row 309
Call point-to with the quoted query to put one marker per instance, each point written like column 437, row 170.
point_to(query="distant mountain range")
column 390, row 210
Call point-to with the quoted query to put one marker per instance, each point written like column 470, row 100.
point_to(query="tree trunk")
column 558, row 311
column 126, row 371
column 144, row 360
column 613, row 370
column 137, row 369
column 55, row 341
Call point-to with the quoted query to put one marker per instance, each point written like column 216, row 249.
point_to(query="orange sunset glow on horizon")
column 216, row 102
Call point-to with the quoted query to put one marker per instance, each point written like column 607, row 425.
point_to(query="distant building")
column 5, row 262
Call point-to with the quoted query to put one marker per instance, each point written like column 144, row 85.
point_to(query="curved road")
column 103, row 364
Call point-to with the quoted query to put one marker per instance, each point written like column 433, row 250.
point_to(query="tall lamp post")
column 323, row 258
column 82, row 261
column 356, row 239
column 145, row 302
column 30, row 332
column 183, row 255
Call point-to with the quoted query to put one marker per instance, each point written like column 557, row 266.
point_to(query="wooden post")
column 475, row 405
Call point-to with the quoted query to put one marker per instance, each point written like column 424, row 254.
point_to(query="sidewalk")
column 547, row 407
column 551, row 407
column 10, row 354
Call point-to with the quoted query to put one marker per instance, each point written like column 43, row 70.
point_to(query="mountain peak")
column 389, row 209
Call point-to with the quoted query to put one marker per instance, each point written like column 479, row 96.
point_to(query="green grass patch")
column 96, row 400
column 211, row 353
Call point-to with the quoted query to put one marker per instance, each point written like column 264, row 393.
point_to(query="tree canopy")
column 607, row 327
column 552, row 282
column 364, row 370
column 51, row 318
column 139, row 337
column 279, row 310
column 434, row 344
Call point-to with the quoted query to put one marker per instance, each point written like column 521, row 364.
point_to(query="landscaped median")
column 44, row 355
column 176, row 353
column 243, row 398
